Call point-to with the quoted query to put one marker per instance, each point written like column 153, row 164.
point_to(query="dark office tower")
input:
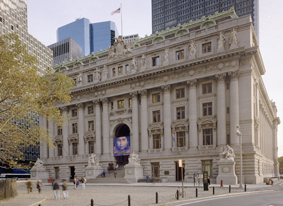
column 169, row 13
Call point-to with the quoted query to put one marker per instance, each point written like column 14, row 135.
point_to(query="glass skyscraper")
column 169, row 13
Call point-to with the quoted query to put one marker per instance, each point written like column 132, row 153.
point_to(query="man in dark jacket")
column 56, row 190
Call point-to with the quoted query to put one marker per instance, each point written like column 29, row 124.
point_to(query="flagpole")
column 121, row 21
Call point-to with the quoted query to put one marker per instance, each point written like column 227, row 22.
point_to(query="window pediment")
column 155, row 128
column 207, row 122
column 180, row 125
column 58, row 139
column 90, row 136
column 73, row 138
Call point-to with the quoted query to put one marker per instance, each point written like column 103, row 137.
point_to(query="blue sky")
column 44, row 17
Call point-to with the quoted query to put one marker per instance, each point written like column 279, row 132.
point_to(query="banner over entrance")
column 122, row 146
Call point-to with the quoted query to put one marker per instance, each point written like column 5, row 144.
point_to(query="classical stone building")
column 178, row 94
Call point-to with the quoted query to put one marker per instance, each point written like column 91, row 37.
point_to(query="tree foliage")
column 24, row 94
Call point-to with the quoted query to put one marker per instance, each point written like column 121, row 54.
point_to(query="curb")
column 39, row 202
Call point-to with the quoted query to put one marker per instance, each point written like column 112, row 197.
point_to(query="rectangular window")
column 207, row 88
column 155, row 97
column 59, row 146
column 90, row 110
column 127, row 68
column 74, row 112
column 90, row 147
column 59, row 130
column 207, row 108
column 181, row 139
column 180, row 93
column 113, row 72
column 180, row 111
column 130, row 103
column 75, row 148
column 90, row 78
column 75, row 128
column 206, row 48
column 207, row 137
column 156, row 141
column 155, row 169
column 120, row 70
column 112, row 106
column 156, row 116
column 155, row 61
column 90, row 126
column 179, row 55
column 207, row 166
column 120, row 104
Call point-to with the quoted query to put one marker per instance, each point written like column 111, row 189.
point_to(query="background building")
column 65, row 50
column 197, row 87
column 131, row 38
column 91, row 37
column 169, row 13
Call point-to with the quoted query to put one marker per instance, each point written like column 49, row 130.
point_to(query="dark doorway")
column 122, row 130
column 179, row 171
column 72, row 172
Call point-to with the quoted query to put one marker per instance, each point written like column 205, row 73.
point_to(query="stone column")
column 234, row 106
column 135, row 122
column 144, row 121
column 97, row 127
column 105, row 126
column 43, row 143
column 51, row 135
column 221, row 109
column 81, row 129
column 167, row 118
column 65, row 133
column 193, row 132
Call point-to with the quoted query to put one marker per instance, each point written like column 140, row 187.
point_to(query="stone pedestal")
column 91, row 172
column 226, row 172
column 39, row 174
column 133, row 170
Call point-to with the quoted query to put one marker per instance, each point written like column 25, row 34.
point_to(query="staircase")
column 109, row 177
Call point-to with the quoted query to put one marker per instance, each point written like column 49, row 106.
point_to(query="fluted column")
column 81, row 129
column 234, row 106
column 43, row 142
column 105, row 126
column 51, row 135
column 135, row 122
column 193, row 133
column 144, row 119
column 65, row 133
column 221, row 109
column 97, row 127
column 167, row 118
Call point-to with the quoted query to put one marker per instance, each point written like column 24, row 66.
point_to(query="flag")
column 116, row 11
column 174, row 139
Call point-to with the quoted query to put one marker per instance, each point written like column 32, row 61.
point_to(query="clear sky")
column 44, row 17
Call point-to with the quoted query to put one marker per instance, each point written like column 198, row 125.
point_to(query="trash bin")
column 49, row 180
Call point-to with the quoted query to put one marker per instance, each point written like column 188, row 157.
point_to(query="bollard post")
column 177, row 194
column 156, row 197
column 213, row 189
column 91, row 202
column 229, row 188
column 129, row 200
column 196, row 192
column 221, row 183
column 245, row 187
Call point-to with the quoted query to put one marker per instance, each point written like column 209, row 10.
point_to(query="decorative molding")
column 80, row 105
column 97, row 101
column 58, row 139
column 73, row 138
column 166, row 87
column 104, row 100
column 192, row 83
column 207, row 122
column 134, row 94
column 220, row 78
column 90, row 136
column 143, row 92
column 155, row 128
column 180, row 125
column 234, row 74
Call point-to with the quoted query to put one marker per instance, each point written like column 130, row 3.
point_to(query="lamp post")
column 181, row 165
column 239, row 134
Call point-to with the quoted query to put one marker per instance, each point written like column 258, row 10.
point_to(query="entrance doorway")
column 179, row 171
column 121, row 131
column 72, row 172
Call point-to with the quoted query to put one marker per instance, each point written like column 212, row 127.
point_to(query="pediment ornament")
column 119, row 49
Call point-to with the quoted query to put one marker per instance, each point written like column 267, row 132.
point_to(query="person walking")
column 38, row 186
column 115, row 173
column 65, row 191
column 83, row 182
column 29, row 186
column 117, row 166
column 56, row 190
column 77, row 183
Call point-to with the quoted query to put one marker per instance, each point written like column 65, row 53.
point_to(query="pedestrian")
column 83, row 182
column 29, row 186
column 115, row 173
column 38, row 186
column 74, row 181
column 77, row 183
column 65, row 191
column 117, row 166
column 56, row 190
column 147, row 178
column 208, row 180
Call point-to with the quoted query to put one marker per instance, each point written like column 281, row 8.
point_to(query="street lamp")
column 239, row 134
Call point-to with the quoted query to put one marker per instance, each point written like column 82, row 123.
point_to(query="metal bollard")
column 91, row 202
column 213, row 189
column 229, row 188
column 196, row 192
column 156, row 197
column 129, row 200
column 245, row 187
column 177, row 194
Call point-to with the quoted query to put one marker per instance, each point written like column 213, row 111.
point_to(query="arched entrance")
column 122, row 144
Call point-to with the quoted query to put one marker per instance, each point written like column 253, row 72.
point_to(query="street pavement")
column 141, row 194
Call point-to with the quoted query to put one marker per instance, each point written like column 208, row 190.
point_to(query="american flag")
column 116, row 11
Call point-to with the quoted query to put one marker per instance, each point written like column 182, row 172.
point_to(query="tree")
column 24, row 92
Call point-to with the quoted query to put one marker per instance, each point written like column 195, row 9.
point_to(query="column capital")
column 104, row 100
column 134, row 94
column 96, row 101
column 220, row 78
column 143, row 92
column 166, row 87
column 63, row 109
column 234, row 74
column 80, row 105
column 192, row 83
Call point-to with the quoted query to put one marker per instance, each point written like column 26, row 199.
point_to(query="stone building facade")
column 178, row 94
